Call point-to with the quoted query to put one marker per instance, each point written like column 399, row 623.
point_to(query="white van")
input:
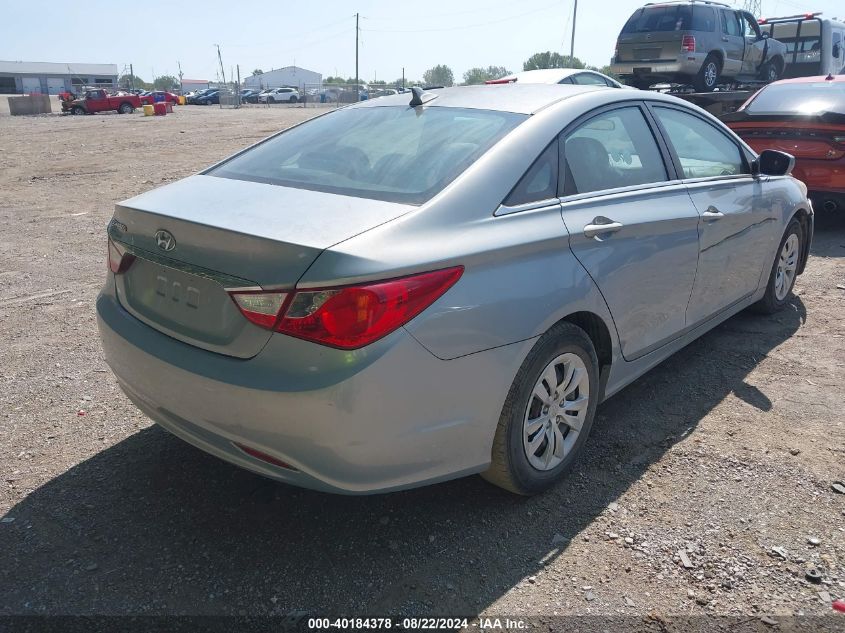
column 816, row 45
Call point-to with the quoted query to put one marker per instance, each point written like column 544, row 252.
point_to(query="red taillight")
column 119, row 260
column 347, row 317
column 688, row 43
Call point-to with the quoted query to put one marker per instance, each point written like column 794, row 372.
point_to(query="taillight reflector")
column 264, row 457
column 347, row 317
column 688, row 43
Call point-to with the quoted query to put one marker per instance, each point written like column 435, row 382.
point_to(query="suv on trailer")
column 700, row 43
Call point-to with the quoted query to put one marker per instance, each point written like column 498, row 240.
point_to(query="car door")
column 96, row 101
column 632, row 224
column 756, row 46
column 732, row 41
column 736, row 224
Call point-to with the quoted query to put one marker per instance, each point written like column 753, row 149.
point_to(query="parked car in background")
column 806, row 118
column 157, row 96
column 579, row 77
column 208, row 98
column 815, row 45
column 280, row 95
column 695, row 42
column 441, row 290
column 200, row 94
column 101, row 101
column 249, row 96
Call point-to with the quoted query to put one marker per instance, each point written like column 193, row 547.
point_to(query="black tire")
column 293, row 99
column 77, row 110
column 770, row 71
column 770, row 303
column 641, row 84
column 509, row 467
column 125, row 108
column 708, row 75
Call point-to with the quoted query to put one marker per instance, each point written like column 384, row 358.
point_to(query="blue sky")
column 320, row 35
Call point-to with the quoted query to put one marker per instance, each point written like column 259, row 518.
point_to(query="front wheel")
column 77, row 110
column 548, row 413
column 293, row 99
column 784, row 271
column 769, row 72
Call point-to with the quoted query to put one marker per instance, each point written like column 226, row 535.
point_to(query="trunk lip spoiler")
column 228, row 282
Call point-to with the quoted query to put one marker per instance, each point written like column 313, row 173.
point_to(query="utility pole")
column 754, row 7
column 357, row 93
column 572, row 45
column 220, row 59
column 239, row 84
column 403, row 77
column 131, row 78
column 179, row 64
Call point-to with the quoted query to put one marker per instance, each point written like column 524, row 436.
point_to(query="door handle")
column 594, row 229
column 711, row 215
column 724, row 39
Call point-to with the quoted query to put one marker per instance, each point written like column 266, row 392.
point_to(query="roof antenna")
column 420, row 96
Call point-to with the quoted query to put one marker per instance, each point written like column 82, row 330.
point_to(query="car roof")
column 512, row 97
column 809, row 80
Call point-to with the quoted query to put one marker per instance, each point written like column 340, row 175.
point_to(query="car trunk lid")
column 197, row 238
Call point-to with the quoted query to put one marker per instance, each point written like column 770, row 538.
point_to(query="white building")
column 53, row 78
column 293, row 76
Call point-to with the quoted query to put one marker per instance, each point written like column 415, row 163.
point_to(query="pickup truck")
column 102, row 101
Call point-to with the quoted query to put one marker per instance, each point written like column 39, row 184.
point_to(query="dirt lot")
column 726, row 452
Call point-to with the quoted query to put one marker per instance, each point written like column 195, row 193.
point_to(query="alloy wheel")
column 556, row 411
column 787, row 265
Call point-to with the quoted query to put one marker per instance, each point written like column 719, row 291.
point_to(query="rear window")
column 397, row 154
column 800, row 98
column 671, row 18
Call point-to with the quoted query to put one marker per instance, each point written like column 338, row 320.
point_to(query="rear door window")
column 730, row 23
column 702, row 150
column 613, row 149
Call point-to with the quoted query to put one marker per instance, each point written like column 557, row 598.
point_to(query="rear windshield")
column 398, row 154
column 800, row 98
column 671, row 18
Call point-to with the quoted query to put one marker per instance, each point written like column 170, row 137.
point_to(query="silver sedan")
column 435, row 284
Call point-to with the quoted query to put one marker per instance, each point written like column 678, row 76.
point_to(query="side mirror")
column 771, row 162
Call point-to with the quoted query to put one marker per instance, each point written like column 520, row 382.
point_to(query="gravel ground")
column 706, row 488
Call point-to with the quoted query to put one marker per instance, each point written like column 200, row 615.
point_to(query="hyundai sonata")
column 406, row 291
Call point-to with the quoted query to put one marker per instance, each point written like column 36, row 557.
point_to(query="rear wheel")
column 125, row 108
column 784, row 270
column 708, row 75
column 548, row 413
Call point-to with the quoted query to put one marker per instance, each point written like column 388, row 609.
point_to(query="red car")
column 159, row 95
column 804, row 117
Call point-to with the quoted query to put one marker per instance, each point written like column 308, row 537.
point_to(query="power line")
column 466, row 26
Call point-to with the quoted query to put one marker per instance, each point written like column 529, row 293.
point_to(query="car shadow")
column 153, row 525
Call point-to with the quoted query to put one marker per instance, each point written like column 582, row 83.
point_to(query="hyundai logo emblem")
column 164, row 240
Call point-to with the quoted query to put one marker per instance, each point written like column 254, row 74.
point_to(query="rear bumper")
column 386, row 417
column 686, row 66
column 826, row 176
